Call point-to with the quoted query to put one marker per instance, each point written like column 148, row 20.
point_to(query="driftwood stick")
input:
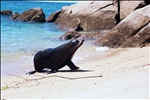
column 42, row 77
column 23, row 70
column 58, row 77
column 69, row 77
column 77, row 77
column 18, row 76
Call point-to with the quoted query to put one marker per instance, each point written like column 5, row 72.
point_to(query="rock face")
column 142, row 38
column 133, row 31
column 6, row 12
column 53, row 16
column 70, row 35
column 87, row 16
column 31, row 15
column 125, row 7
column 94, row 15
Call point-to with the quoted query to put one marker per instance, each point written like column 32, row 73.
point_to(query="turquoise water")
column 22, row 38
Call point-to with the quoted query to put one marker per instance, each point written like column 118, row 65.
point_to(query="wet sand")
column 118, row 74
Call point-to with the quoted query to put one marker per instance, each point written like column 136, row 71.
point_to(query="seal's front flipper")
column 31, row 72
column 52, row 71
column 72, row 66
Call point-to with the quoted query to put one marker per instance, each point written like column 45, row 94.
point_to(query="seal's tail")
column 31, row 72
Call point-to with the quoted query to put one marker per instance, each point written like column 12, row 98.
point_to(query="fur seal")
column 56, row 58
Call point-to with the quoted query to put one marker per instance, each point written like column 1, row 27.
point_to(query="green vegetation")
column 4, row 88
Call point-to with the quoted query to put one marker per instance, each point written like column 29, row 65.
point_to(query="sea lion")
column 56, row 58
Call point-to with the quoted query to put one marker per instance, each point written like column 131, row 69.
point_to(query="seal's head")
column 68, row 49
column 74, row 44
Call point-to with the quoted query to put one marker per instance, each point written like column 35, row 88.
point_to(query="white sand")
column 125, row 74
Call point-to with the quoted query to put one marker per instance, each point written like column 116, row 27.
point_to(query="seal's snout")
column 80, row 39
column 75, row 41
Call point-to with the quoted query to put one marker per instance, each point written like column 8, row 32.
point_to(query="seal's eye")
column 75, row 41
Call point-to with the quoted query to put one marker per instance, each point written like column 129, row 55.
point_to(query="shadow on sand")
column 75, row 70
column 49, row 72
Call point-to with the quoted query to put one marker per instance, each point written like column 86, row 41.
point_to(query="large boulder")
column 130, row 32
column 70, row 35
column 87, row 16
column 53, row 16
column 127, row 6
column 6, row 12
column 94, row 35
column 31, row 15
column 95, row 15
column 142, row 38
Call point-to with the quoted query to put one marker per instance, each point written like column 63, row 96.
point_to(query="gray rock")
column 89, row 16
column 31, row 15
column 142, row 38
column 6, row 12
column 70, row 35
column 127, row 7
column 53, row 16
column 131, row 29
column 95, row 15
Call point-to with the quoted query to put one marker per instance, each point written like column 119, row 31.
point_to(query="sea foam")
column 102, row 48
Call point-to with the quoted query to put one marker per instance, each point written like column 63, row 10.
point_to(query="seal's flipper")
column 31, row 72
column 52, row 71
column 72, row 66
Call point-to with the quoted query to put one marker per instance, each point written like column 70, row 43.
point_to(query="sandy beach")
column 120, row 74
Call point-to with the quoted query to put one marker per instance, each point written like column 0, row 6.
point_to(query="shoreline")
column 123, row 70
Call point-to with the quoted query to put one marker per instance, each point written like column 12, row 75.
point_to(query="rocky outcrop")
column 133, row 31
column 94, row 35
column 70, row 35
column 86, row 35
column 142, row 38
column 31, row 15
column 94, row 15
column 6, row 12
column 87, row 16
column 125, row 7
column 53, row 16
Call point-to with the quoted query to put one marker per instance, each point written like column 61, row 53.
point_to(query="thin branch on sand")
column 18, row 76
column 26, row 80
column 23, row 70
